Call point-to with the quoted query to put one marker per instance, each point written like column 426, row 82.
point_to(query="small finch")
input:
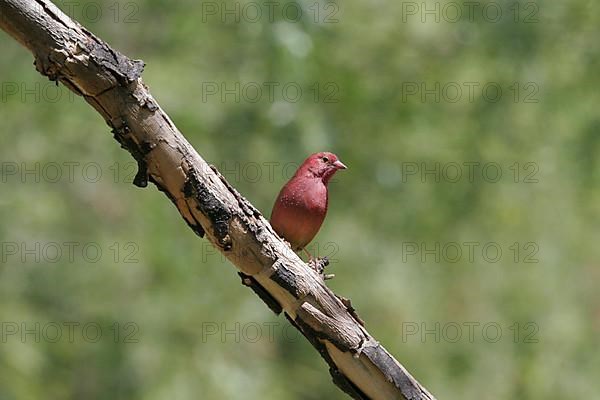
column 301, row 205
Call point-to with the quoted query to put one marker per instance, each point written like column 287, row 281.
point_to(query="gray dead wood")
column 110, row 82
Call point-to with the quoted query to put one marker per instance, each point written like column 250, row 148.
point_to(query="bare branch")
column 111, row 83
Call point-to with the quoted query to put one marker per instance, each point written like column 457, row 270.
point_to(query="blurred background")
column 465, row 230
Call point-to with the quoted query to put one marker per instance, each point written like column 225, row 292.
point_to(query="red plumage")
column 301, row 205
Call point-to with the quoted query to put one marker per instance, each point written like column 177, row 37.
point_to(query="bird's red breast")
column 301, row 206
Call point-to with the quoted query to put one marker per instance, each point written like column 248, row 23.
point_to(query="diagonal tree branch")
column 111, row 83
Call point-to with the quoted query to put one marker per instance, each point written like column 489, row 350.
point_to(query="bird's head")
column 323, row 165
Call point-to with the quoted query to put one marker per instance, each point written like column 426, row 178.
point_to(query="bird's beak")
column 339, row 165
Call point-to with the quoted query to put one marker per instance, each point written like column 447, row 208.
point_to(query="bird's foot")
column 319, row 264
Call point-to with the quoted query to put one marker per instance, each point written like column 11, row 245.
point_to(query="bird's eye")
column 325, row 159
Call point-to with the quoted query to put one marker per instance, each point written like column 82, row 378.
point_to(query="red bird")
column 301, row 205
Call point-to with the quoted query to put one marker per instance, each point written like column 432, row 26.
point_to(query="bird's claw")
column 319, row 264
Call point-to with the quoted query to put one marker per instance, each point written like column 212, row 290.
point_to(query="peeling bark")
column 111, row 83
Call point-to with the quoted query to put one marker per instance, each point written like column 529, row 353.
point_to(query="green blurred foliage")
column 174, row 290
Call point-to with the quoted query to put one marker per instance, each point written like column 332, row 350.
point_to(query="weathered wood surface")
column 110, row 82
